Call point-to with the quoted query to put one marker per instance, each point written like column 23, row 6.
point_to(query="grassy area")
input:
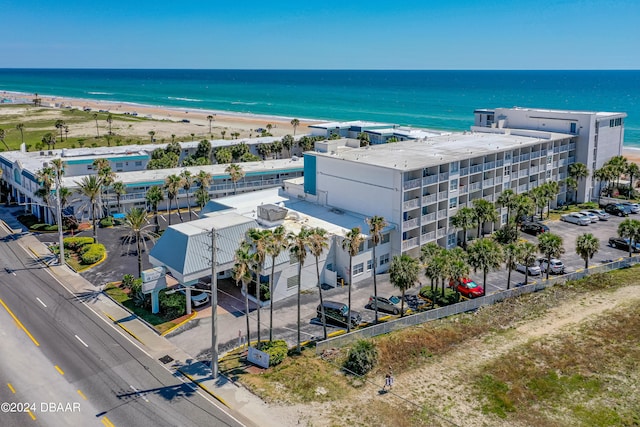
column 158, row 321
column 582, row 376
column 579, row 395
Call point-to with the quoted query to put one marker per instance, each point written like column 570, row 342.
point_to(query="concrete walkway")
column 243, row 405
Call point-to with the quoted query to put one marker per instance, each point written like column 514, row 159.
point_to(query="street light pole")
column 58, row 170
column 214, row 306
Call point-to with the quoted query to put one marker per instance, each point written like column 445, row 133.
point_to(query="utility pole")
column 214, row 306
column 58, row 170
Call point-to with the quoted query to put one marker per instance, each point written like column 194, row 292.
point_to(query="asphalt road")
column 78, row 350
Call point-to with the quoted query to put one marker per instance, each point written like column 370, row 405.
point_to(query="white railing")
column 523, row 188
column 443, row 176
column 410, row 204
column 487, row 182
column 523, row 172
column 489, row 198
column 464, row 171
column 463, row 189
column 441, row 232
column 499, row 163
column 410, row 243
column 414, row 183
column 442, row 195
column 475, row 186
column 428, row 236
column 534, row 169
column 476, row 168
column 498, row 179
column 428, row 217
column 490, row 165
column 411, row 223
column 442, row 213
column 430, row 198
column 431, row 179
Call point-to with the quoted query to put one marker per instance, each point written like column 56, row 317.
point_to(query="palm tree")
column 403, row 274
column 241, row 273
column 485, row 254
column 484, row 212
column 152, row 133
column 259, row 240
column 427, row 254
column 110, row 121
column 526, row 255
column 551, row 190
column 172, row 184
column 376, row 225
column 236, row 173
column 298, row 244
column 465, row 218
column 630, row 229
column 50, row 140
column 204, row 179
column 106, row 175
column 120, row 190
column 66, row 133
column 20, row 127
column 618, row 166
column 510, row 251
column 507, row 199
column 586, row 246
column 550, row 245
column 223, row 133
column 276, row 243
column 578, row 171
column 317, row 243
column 295, row 123
column 351, row 243
column 91, row 188
column 210, row 117
column 539, row 198
column 202, row 197
column 524, row 206
column 136, row 220
column 187, row 183
column 633, row 170
column 364, row 139
column 60, row 124
column 154, row 196
column 572, row 184
column 45, row 177
column 95, row 117
column 2, row 136
column 287, row 143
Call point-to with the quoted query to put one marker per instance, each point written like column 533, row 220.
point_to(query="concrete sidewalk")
column 243, row 405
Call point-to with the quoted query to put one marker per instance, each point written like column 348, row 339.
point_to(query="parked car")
column 534, row 227
column 337, row 313
column 198, row 298
column 534, row 270
column 633, row 207
column 620, row 243
column 555, row 266
column 575, row 218
column 467, row 287
column 593, row 217
column 602, row 215
column 390, row 305
column 185, row 121
column 617, row 209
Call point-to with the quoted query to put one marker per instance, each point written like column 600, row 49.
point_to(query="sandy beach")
column 168, row 121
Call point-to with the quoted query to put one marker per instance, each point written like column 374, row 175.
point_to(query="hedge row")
column 44, row 227
column 277, row 351
column 74, row 243
column 92, row 253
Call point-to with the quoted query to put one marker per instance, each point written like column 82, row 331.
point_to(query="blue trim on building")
column 310, row 174
column 124, row 158
column 6, row 162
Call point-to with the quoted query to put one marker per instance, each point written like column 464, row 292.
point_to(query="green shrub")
column 363, row 356
column 106, row 222
column 589, row 205
column 92, row 253
column 127, row 281
column 28, row 220
column 74, row 243
column 450, row 296
column 39, row 227
column 277, row 351
column 173, row 305
column 53, row 227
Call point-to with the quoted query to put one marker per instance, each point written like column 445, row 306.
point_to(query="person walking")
column 388, row 380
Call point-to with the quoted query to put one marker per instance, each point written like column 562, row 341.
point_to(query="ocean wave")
column 176, row 98
column 100, row 93
column 243, row 103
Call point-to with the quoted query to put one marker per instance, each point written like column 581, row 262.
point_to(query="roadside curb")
column 124, row 328
column 194, row 313
column 203, row 387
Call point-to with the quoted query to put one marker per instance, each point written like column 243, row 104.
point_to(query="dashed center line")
column 40, row 301
column 80, row 339
column 13, row 390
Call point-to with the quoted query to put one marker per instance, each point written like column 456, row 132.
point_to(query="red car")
column 467, row 287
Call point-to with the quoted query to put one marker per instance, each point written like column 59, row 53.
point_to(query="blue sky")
column 328, row 34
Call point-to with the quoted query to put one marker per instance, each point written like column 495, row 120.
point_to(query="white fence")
column 464, row 306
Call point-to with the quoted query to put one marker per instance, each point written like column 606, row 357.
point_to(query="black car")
column 620, row 243
column 617, row 210
column 534, row 228
column 337, row 312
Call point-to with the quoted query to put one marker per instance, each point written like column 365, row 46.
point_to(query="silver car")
column 634, row 207
column 576, row 218
column 602, row 215
column 555, row 266
column 534, row 270
column 593, row 217
column 390, row 305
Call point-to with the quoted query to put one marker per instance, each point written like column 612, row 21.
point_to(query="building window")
column 385, row 238
column 454, row 167
column 292, row 282
column 453, row 202
column 369, row 265
column 138, row 163
column 384, row 259
column 361, row 247
column 549, row 159
column 358, row 269
column 507, row 156
column 504, row 219
column 119, row 165
column 548, row 174
column 572, row 128
column 89, row 167
column 452, row 239
column 329, row 267
column 453, row 185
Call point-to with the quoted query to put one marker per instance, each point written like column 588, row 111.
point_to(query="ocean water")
column 432, row 99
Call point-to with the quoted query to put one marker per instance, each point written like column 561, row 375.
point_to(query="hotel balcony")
column 487, row 182
column 410, row 223
column 442, row 213
column 411, row 204
column 427, row 237
column 410, row 243
column 428, row 199
column 430, row 217
column 441, row 232
column 431, row 179
column 475, row 186
column 489, row 165
column 476, row 169
column 442, row 195
column 411, row 184
column 443, row 176
column 464, row 171
column 524, row 172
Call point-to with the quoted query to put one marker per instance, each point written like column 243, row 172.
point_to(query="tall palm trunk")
column 189, row 205
column 349, row 297
column 169, row 211
column 324, row 318
column 139, row 249
column 273, row 265
column 246, row 311
column 155, row 211
column 509, row 276
column 299, row 293
column 93, row 222
column 375, row 282
column 258, row 308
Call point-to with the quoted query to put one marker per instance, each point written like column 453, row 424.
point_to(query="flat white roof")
column 546, row 110
column 415, row 154
column 358, row 123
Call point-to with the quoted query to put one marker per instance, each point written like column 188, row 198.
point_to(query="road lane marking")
column 107, row 422
column 82, row 395
column 20, row 325
column 40, row 301
column 83, row 343
column 139, row 394
column 33, row 417
column 60, row 371
column 13, row 390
